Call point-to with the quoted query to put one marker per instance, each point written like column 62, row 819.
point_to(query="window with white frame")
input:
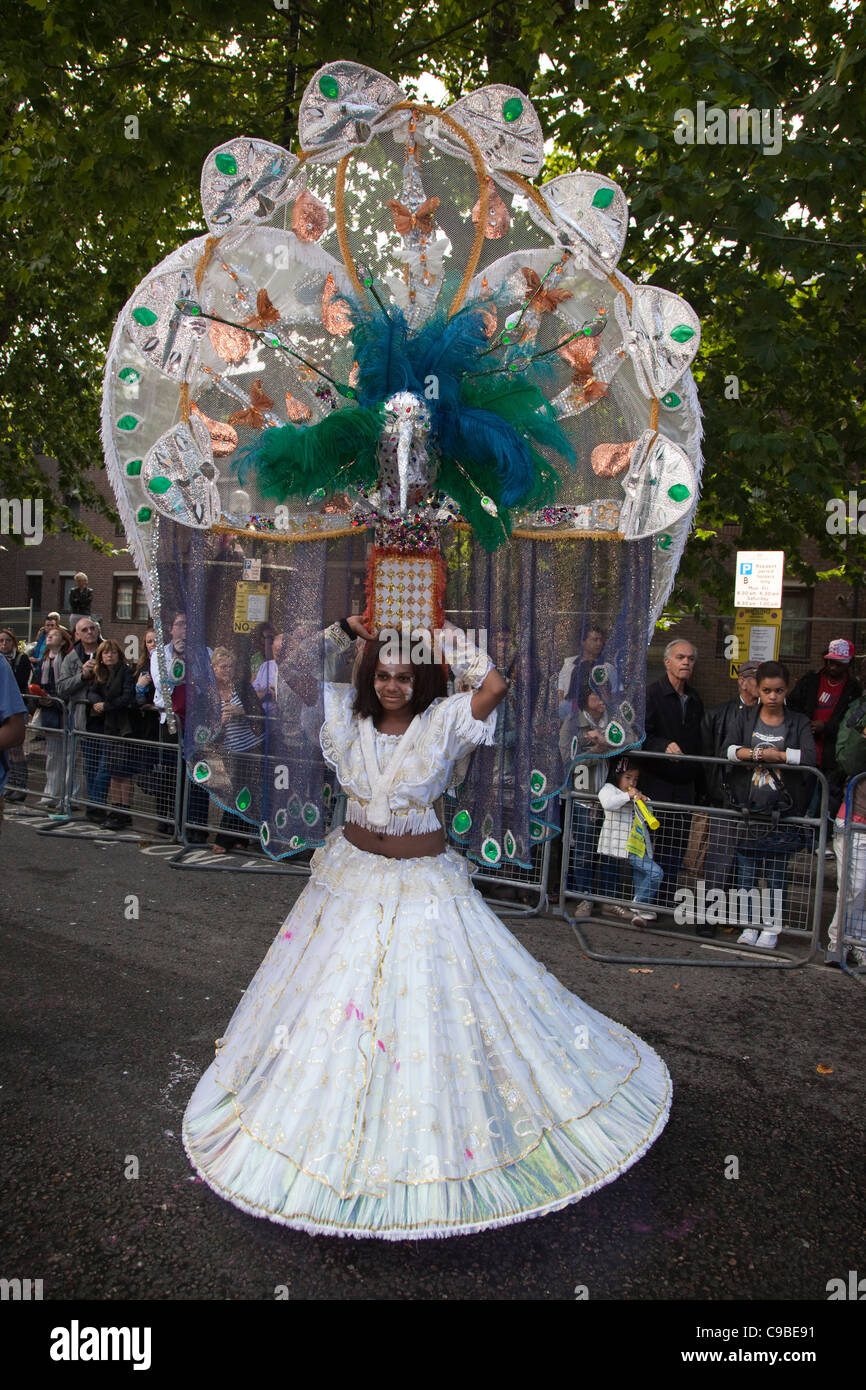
column 130, row 603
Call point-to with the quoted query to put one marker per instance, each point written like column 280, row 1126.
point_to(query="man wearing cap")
column 716, row 726
column 715, row 738
column 824, row 696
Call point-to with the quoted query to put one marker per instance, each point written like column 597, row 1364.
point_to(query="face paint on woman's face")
column 393, row 685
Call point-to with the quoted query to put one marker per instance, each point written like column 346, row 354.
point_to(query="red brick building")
column 43, row 575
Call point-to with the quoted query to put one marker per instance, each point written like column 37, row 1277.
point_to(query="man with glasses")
column 76, row 677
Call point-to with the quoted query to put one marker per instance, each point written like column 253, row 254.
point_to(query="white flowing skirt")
column 401, row 1067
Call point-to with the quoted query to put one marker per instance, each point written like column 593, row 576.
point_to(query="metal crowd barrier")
column 197, row 853
column 64, row 770
column 527, row 888
column 37, row 769
column 849, row 919
column 765, row 874
column 152, row 770
column 203, row 815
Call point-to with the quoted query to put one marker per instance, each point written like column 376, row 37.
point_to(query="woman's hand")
column 99, row 707
column 356, row 623
column 771, row 755
column 227, row 714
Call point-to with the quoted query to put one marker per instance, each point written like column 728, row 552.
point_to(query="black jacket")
column 797, row 786
column 804, row 699
column 121, row 711
column 80, row 601
column 672, row 780
column 20, row 670
column 716, row 737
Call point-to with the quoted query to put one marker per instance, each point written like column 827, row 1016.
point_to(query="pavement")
column 120, row 971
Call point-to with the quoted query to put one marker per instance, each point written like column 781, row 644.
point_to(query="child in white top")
column 625, row 835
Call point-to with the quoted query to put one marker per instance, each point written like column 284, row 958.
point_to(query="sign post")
column 757, row 632
column 758, row 603
column 252, row 602
column 759, row 578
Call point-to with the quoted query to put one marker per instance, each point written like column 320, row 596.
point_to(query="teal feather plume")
column 295, row 460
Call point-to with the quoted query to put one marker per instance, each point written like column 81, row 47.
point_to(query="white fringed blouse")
column 392, row 781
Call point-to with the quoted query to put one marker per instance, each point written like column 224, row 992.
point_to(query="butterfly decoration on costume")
column 253, row 417
column 421, row 220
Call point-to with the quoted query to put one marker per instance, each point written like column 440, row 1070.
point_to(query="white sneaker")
column 583, row 909
column 767, row 939
column 749, row 937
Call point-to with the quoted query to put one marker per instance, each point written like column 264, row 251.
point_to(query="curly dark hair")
column 430, row 683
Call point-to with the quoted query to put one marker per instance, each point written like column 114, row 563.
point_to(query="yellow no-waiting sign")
column 252, row 602
column 757, row 633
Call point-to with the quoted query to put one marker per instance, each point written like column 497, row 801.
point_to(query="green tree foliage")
column 767, row 247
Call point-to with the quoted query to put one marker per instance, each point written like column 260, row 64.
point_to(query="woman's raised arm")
column 475, row 667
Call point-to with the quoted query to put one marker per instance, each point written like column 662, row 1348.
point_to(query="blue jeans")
column 647, row 878
column 96, row 778
column 722, row 838
column 608, row 876
column 582, row 862
column 755, row 864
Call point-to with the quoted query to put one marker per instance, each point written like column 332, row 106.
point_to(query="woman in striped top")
column 242, row 734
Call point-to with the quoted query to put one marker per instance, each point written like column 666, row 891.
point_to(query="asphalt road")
column 109, row 1020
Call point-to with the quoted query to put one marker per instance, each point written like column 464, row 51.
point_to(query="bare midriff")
column 395, row 846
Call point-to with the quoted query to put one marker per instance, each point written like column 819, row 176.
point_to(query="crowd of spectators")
column 762, row 728
column 640, row 817
column 118, row 710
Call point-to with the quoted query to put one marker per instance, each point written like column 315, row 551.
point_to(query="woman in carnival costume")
column 400, row 1066
column 397, row 337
